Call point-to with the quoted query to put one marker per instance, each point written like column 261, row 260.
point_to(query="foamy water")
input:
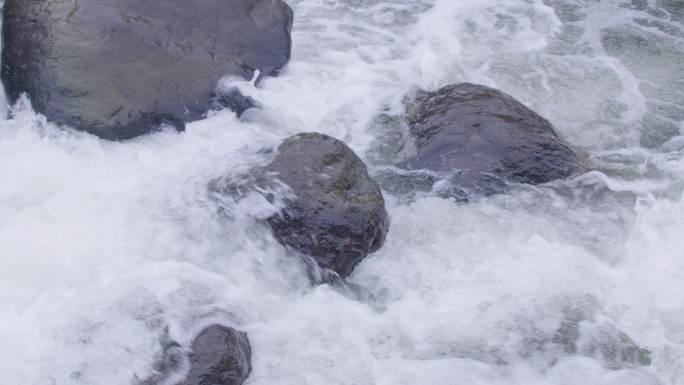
column 107, row 248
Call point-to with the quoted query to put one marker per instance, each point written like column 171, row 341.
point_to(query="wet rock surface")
column 220, row 356
column 655, row 58
column 577, row 330
column 402, row 182
column 480, row 129
column 120, row 68
column 580, row 334
column 235, row 101
column 167, row 366
column 338, row 213
column 477, row 138
column 334, row 212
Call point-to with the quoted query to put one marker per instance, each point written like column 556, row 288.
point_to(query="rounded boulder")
column 336, row 213
column 121, row 68
column 478, row 129
column 220, row 356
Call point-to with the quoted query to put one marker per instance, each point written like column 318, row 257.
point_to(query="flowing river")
column 108, row 248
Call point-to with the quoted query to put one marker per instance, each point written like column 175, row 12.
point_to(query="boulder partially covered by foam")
column 219, row 356
column 119, row 68
column 478, row 137
column 334, row 212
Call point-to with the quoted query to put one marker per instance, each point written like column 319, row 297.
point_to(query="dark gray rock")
column 476, row 140
column 465, row 186
column 333, row 213
column 235, row 101
column 480, row 129
column 461, row 185
column 338, row 214
column 405, row 183
column 120, row 68
column 220, row 356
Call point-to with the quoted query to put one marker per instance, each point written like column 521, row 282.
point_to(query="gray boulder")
column 478, row 137
column 220, row 356
column 333, row 211
column 120, row 68
column 338, row 213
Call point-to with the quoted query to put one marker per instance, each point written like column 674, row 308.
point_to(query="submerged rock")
column 119, row 68
column 473, row 135
column 583, row 331
column 601, row 341
column 613, row 348
column 168, row 364
column 235, row 101
column 333, row 210
column 220, row 356
column 403, row 182
column 547, row 338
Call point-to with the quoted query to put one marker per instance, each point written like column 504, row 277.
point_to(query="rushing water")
column 107, row 248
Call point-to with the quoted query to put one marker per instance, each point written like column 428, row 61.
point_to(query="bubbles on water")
column 113, row 252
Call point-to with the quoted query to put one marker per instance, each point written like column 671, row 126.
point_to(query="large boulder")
column 479, row 137
column 220, row 356
column 333, row 211
column 120, row 68
column 338, row 212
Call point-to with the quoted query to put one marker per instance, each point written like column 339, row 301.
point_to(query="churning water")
column 107, row 248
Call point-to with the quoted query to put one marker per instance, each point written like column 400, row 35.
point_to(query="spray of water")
column 109, row 249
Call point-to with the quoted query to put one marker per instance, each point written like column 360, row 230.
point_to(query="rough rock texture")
column 402, row 182
column 338, row 213
column 600, row 340
column 220, row 356
column 477, row 138
column 476, row 128
column 234, row 100
column 613, row 348
column 331, row 211
column 119, row 68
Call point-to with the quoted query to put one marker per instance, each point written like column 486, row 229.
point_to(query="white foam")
column 103, row 246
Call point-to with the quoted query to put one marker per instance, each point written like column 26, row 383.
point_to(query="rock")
column 613, row 348
column 674, row 7
column 168, row 364
column 581, row 334
column 235, row 101
column 338, row 214
column 477, row 138
column 332, row 211
column 477, row 128
column 407, row 183
column 120, row 68
column 220, row 356
column 465, row 185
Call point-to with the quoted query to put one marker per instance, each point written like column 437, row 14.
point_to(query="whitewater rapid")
column 107, row 248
